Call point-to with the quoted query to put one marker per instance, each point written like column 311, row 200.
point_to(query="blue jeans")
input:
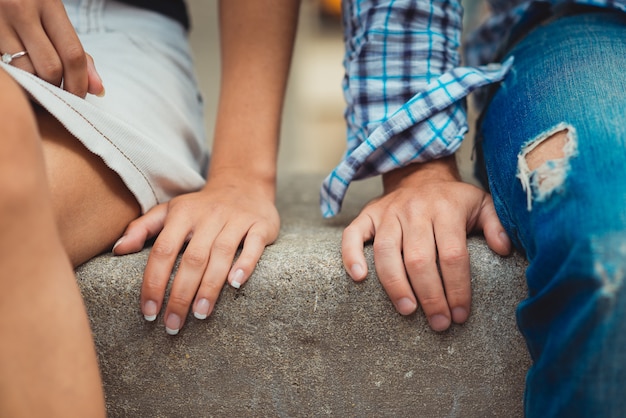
column 567, row 215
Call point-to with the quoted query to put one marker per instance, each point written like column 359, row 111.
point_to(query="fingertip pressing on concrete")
column 301, row 339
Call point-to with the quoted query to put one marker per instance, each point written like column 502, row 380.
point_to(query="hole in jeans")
column 543, row 162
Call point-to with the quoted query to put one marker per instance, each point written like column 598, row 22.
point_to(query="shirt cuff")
column 430, row 125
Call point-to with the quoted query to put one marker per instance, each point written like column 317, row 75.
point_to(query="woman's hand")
column 55, row 54
column 213, row 223
column 419, row 227
column 236, row 207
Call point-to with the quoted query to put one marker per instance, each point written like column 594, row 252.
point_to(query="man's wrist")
column 442, row 169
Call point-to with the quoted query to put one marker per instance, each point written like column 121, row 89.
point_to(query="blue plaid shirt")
column 404, row 87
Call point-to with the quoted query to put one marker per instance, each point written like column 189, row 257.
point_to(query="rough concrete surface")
column 301, row 339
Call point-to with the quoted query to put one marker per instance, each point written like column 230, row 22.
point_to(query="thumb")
column 488, row 222
column 140, row 230
column 95, row 85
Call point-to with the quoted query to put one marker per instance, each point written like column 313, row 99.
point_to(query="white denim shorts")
column 149, row 126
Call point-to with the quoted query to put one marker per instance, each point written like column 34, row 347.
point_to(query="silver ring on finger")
column 8, row 58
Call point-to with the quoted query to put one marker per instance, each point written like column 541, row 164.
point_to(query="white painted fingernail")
column 118, row 242
column 150, row 310
column 202, row 309
column 171, row 331
column 172, row 324
column 236, row 278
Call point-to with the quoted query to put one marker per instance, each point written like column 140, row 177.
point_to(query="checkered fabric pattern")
column 404, row 87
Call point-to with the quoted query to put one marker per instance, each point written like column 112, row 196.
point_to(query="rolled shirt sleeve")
column 404, row 88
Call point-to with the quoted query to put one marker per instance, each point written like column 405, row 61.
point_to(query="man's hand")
column 419, row 228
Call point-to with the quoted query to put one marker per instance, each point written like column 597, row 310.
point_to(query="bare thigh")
column 91, row 203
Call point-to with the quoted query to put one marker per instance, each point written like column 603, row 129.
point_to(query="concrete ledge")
column 301, row 339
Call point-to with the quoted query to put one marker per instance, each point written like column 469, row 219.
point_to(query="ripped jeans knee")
column 544, row 162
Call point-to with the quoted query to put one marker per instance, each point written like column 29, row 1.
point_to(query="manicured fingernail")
column 356, row 271
column 202, row 309
column 150, row 310
column 102, row 93
column 459, row 315
column 406, row 306
column 172, row 324
column 439, row 322
column 236, row 278
column 118, row 242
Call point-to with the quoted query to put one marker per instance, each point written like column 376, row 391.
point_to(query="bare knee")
column 552, row 148
column 544, row 163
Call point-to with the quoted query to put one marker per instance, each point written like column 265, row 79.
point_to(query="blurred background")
column 313, row 133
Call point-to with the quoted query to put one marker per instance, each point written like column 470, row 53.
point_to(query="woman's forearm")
column 257, row 38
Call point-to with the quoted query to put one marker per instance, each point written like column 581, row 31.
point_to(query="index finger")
column 355, row 234
column 67, row 44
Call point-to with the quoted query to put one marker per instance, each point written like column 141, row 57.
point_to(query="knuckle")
column 151, row 287
column 454, row 256
column 163, row 249
column 51, row 70
column 180, row 205
column 393, row 282
column 349, row 231
column 258, row 235
column 457, row 295
column 135, row 223
column 262, row 234
column 74, row 56
column 418, row 260
column 210, row 288
column 195, row 258
column 13, row 7
column 178, row 302
column 224, row 247
column 384, row 245
column 432, row 304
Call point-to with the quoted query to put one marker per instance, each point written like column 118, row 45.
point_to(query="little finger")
column 354, row 236
column 253, row 246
